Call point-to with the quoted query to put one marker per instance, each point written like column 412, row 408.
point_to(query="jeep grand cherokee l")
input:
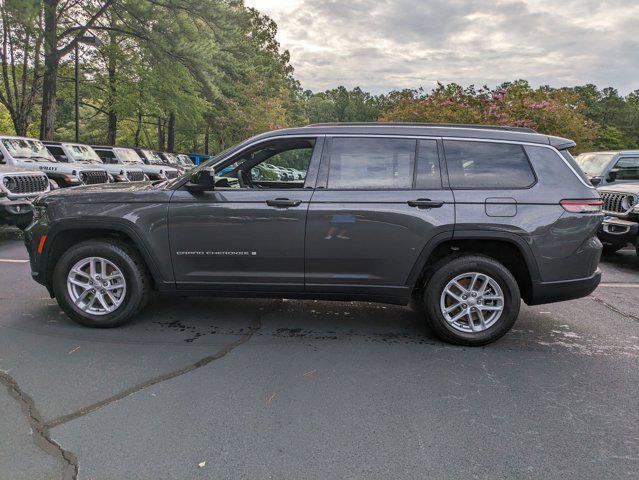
column 468, row 220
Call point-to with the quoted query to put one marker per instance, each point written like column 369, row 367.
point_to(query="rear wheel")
column 101, row 283
column 471, row 300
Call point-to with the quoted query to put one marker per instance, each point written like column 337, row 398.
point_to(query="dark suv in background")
column 467, row 220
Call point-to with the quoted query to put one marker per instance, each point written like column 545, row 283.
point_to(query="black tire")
column 127, row 259
column 612, row 247
column 449, row 268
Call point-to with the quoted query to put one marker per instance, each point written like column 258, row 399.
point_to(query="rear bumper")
column 15, row 212
column 549, row 292
column 616, row 231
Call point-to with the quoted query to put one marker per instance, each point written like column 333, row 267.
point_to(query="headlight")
column 9, row 183
column 111, row 178
column 39, row 213
column 146, row 177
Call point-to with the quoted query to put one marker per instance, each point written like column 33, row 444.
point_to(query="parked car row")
column 29, row 167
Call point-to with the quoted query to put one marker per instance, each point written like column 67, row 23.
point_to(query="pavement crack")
column 40, row 430
column 256, row 324
column 614, row 309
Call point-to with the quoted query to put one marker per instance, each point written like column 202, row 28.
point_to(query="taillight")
column 582, row 206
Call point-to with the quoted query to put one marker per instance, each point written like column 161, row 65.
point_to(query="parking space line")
column 620, row 285
column 12, row 260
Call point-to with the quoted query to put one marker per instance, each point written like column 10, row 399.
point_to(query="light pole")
column 88, row 40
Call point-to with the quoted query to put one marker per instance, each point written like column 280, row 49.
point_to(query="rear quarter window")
column 487, row 165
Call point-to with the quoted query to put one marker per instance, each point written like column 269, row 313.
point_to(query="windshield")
column 152, row 157
column 28, row 149
column 83, row 153
column 594, row 163
column 172, row 159
column 186, row 161
column 128, row 155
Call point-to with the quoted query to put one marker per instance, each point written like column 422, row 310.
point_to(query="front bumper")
column 550, row 292
column 615, row 231
column 16, row 212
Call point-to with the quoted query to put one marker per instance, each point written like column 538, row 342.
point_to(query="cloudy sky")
column 383, row 45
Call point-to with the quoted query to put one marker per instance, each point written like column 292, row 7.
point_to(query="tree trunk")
column 138, row 129
column 160, row 134
column 170, row 142
column 112, row 129
column 51, row 61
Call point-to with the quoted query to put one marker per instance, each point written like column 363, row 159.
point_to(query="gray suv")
column 467, row 220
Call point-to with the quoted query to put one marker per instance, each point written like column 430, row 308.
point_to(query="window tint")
column 487, row 165
column 371, row 163
column 427, row 175
column 628, row 168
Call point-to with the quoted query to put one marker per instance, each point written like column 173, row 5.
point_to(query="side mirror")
column 595, row 181
column 612, row 174
column 201, row 181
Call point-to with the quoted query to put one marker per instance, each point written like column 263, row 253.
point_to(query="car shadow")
column 626, row 260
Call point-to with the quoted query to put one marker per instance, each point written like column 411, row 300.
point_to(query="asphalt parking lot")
column 224, row 388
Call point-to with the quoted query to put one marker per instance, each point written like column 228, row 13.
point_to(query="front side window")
column 628, row 168
column 487, row 165
column 277, row 164
column 371, row 163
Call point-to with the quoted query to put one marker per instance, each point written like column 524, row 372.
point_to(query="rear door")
column 378, row 202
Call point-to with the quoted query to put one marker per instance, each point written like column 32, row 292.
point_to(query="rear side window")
column 628, row 168
column 371, row 163
column 427, row 176
column 487, row 165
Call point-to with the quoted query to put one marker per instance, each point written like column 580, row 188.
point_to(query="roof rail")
column 417, row 124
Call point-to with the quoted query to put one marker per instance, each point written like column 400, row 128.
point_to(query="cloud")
column 383, row 45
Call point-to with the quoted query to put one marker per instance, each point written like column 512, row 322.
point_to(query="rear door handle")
column 425, row 203
column 283, row 203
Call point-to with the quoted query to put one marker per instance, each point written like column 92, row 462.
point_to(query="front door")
column 373, row 213
column 247, row 233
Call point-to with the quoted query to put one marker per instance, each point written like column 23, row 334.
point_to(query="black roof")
column 419, row 124
column 487, row 132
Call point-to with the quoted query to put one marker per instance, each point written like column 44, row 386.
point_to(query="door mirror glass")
column 201, row 181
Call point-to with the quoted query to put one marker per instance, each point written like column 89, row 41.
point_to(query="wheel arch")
column 70, row 232
column 505, row 247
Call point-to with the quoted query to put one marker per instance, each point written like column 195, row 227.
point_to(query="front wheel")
column 471, row 300
column 101, row 283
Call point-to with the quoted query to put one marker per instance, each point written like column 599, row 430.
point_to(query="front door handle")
column 425, row 203
column 283, row 203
